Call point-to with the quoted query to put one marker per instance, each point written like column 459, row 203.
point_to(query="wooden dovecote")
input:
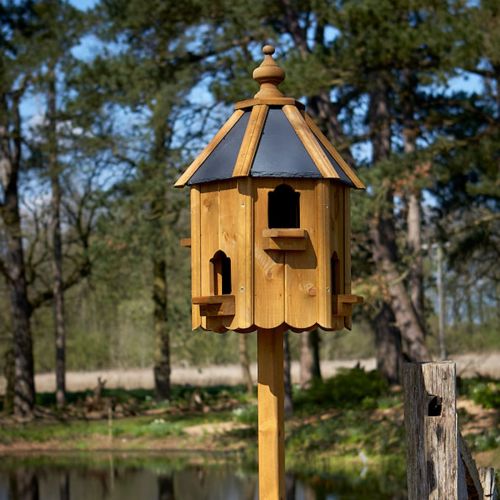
column 270, row 227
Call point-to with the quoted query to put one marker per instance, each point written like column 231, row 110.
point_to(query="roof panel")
column 343, row 176
column 220, row 164
column 280, row 152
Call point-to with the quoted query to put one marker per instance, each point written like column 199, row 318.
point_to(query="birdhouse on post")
column 270, row 239
column 270, row 226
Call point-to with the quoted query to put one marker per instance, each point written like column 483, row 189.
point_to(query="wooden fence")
column 439, row 464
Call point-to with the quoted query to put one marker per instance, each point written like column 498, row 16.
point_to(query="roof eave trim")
column 200, row 159
column 357, row 182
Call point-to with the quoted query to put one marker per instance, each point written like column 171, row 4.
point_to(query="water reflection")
column 144, row 477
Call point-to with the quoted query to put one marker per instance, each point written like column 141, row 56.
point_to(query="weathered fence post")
column 439, row 465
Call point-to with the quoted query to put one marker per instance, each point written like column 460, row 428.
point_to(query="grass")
column 350, row 414
column 79, row 432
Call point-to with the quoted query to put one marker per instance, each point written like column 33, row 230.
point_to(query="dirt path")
column 486, row 364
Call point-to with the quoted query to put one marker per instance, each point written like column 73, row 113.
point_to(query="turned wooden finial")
column 269, row 75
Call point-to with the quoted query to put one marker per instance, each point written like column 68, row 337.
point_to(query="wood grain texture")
column 228, row 234
column 487, row 478
column 189, row 172
column 474, row 488
column 245, row 249
column 285, row 233
column 272, row 101
column 215, row 305
column 301, row 287
column 337, row 231
column 250, row 141
column 310, row 142
column 285, row 244
column 271, row 415
column 323, row 273
column 195, row 254
column 209, row 223
column 269, row 273
column 336, row 155
column 347, row 250
column 431, row 430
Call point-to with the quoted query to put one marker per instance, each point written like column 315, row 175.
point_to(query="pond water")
column 158, row 477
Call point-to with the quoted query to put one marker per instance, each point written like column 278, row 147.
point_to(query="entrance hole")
column 283, row 208
column 221, row 273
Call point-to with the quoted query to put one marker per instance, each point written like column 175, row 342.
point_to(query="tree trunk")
column 383, row 234
column 414, row 224
column 158, row 211
column 10, row 379
column 166, row 489
column 288, row 375
column 245, row 362
column 57, row 257
column 24, row 396
column 23, row 484
column 309, row 358
column 162, row 351
column 416, row 273
column 388, row 344
column 14, row 265
column 468, row 300
column 480, row 304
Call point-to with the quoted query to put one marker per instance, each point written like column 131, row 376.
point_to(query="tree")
column 153, row 78
column 63, row 27
column 15, row 75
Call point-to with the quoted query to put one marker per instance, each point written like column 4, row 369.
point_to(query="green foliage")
column 247, row 415
column 484, row 441
column 483, row 391
column 353, row 388
column 348, row 433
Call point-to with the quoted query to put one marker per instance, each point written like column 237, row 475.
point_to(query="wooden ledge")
column 285, row 239
column 284, row 233
column 271, row 101
column 342, row 304
column 215, row 305
column 185, row 242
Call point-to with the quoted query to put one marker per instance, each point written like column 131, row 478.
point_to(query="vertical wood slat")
column 195, row 254
column 487, row 478
column 301, row 287
column 245, row 243
column 347, row 250
column 432, row 454
column 228, row 233
column 323, row 244
column 438, row 463
column 269, row 276
column 271, row 415
column 209, row 219
column 336, row 235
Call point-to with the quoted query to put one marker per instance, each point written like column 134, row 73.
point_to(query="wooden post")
column 439, row 465
column 271, row 410
column 487, row 477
